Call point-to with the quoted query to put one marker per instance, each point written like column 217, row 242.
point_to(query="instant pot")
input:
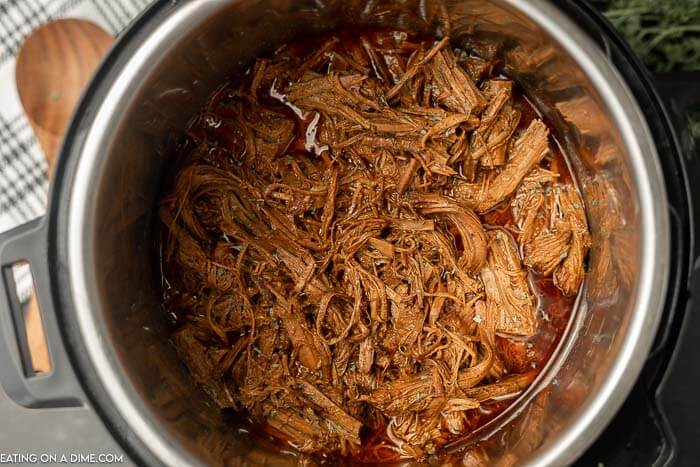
column 622, row 387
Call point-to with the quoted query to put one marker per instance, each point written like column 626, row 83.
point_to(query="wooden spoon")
column 53, row 66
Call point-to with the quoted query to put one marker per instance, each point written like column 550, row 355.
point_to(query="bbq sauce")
column 518, row 354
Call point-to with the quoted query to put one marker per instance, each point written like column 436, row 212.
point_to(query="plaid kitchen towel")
column 23, row 177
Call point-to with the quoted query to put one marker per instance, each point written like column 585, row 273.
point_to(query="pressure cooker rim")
column 71, row 190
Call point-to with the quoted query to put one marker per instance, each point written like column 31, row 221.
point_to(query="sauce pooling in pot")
column 371, row 246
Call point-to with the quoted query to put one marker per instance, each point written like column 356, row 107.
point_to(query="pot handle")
column 58, row 387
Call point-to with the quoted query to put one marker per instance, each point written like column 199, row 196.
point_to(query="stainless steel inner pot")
column 111, row 259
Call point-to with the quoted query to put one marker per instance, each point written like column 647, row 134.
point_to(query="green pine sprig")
column 665, row 33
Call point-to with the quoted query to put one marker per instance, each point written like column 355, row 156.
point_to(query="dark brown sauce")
column 519, row 354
